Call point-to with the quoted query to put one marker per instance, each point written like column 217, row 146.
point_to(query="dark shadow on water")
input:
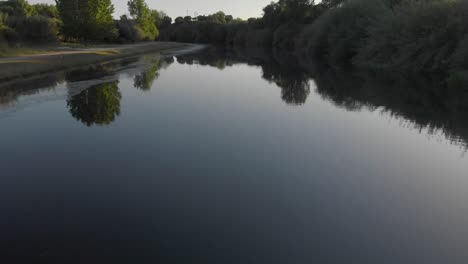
column 11, row 91
column 435, row 103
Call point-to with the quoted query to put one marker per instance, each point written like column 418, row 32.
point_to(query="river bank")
column 31, row 65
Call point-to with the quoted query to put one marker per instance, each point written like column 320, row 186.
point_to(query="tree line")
column 415, row 35
column 76, row 21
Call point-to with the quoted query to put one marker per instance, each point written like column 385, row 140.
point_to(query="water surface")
column 224, row 157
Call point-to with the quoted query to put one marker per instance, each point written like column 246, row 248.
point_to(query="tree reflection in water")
column 436, row 103
column 289, row 77
column 294, row 84
column 97, row 105
column 430, row 102
column 145, row 80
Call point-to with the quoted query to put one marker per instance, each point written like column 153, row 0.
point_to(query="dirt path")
column 30, row 65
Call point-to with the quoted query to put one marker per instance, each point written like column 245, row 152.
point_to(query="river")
column 232, row 157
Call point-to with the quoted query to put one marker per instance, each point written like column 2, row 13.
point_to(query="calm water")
column 235, row 158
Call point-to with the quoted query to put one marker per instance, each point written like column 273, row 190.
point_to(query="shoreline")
column 28, row 66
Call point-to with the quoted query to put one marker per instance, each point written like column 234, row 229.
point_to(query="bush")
column 337, row 36
column 460, row 58
column 417, row 35
column 129, row 32
column 183, row 33
column 286, row 36
column 35, row 29
column 203, row 32
column 259, row 37
column 235, row 34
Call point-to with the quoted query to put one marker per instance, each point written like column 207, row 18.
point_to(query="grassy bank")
column 53, row 60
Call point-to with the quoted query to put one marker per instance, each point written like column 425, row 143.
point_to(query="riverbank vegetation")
column 407, row 35
column 426, row 101
column 77, row 21
column 415, row 35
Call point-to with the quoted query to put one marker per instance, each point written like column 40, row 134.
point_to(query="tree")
column 229, row 19
column 159, row 17
column 46, row 10
column 179, row 20
column 332, row 3
column 146, row 19
column 28, row 23
column 87, row 19
column 166, row 22
column 218, row 18
column 37, row 29
column 129, row 30
column 19, row 8
column 288, row 11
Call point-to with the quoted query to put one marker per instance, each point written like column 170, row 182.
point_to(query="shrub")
column 37, row 29
column 338, row 34
column 235, row 34
column 460, row 58
column 129, row 31
column 417, row 35
column 259, row 37
column 286, row 36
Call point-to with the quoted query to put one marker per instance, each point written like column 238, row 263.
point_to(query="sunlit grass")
column 21, row 61
column 104, row 52
column 12, row 52
column 15, row 52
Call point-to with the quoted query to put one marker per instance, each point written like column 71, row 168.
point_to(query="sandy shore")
column 31, row 65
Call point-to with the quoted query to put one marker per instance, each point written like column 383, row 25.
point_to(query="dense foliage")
column 279, row 27
column 417, row 35
column 20, row 21
column 87, row 20
column 145, row 19
column 77, row 21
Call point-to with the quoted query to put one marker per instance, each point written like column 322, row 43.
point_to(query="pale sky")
column 238, row 8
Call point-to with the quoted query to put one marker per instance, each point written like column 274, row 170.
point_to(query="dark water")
column 232, row 157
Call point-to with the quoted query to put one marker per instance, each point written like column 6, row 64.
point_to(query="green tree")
column 87, row 19
column 19, row 8
column 218, row 18
column 229, row 18
column 159, row 17
column 145, row 18
column 46, row 10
